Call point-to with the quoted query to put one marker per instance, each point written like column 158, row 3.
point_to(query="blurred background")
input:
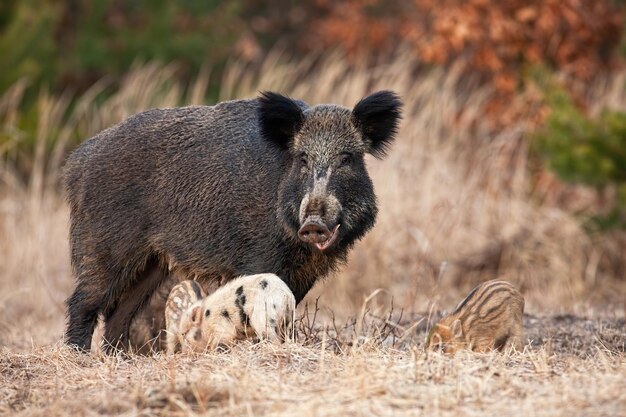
column 511, row 160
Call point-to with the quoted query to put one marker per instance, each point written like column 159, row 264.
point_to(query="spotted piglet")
column 249, row 307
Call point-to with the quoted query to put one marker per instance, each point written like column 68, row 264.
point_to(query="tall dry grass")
column 456, row 200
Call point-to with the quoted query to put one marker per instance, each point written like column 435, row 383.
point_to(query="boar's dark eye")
column 303, row 161
column 346, row 159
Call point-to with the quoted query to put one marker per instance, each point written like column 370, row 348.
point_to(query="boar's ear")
column 378, row 116
column 280, row 118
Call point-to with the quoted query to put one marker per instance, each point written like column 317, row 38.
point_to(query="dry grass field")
column 457, row 206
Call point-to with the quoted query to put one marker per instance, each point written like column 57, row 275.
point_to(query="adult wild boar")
column 268, row 185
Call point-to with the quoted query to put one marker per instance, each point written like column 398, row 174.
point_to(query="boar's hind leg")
column 137, row 294
column 83, row 307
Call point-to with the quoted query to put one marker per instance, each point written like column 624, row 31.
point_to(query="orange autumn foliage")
column 494, row 38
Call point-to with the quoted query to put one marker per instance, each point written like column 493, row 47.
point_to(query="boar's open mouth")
column 315, row 232
column 329, row 242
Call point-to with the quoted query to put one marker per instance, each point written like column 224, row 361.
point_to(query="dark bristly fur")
column 205, row 192
column 130, row 302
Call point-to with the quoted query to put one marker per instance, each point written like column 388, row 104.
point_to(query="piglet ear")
column 280, row 118
column 457, row 329
column 378, row 117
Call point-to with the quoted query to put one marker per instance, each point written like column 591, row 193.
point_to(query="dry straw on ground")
column 315, row 379
column 456, row 207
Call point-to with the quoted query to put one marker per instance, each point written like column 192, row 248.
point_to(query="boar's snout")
column 315, row 232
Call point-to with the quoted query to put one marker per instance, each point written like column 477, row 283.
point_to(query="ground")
column 571, row 366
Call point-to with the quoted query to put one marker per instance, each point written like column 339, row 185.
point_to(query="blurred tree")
column 27, row 44
column 494, row 41
column 102, row 37
column 74, row 42
column 588, row 151
column 496, row 38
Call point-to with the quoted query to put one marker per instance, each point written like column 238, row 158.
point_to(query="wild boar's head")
column 327, row 199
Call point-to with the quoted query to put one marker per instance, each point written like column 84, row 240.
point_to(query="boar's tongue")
column 328, row 242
